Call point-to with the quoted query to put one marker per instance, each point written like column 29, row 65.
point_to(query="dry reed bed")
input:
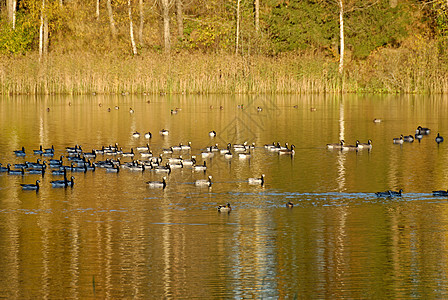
column 214, row 74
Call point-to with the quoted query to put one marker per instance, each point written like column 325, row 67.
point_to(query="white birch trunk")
column 41, row 31
column 341, row 33
column 237, row 40
column 257, row 15
column 11, row 6
column 131, row 29
column 113, row 30
column 180, row 18
column 166, row 25
column 97, row 10
column 46, row 35
column 14, row 9
column 142, row 21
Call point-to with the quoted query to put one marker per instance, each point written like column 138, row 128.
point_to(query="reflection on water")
column 110, row 236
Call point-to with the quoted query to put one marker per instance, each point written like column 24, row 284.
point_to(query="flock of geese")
column 79, row 161
column 75, row 160
column 420, row 132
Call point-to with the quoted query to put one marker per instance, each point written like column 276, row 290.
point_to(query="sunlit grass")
column 85, row 73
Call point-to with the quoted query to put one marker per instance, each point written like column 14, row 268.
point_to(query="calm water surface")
column 111, row 236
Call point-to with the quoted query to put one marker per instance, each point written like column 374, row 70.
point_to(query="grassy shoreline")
column 84, row 73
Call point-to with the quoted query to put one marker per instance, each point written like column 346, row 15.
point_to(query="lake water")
column 111, row 236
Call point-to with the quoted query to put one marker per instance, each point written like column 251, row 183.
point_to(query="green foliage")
column 20, row 39
column 376, row 26
column 439, row 14
column 302, row 24
column 208, row 34
column 307, row 24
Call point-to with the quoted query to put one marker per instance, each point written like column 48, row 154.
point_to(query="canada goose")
column 128, row 154
column 367, row 145
column 49, row 150
column 199, row 168
column 30, row 186
column 396, row 194
column 440, row 193
column 350, row 147
column 113, row 169
column 164, row 132
column 63, row 183
column 212, row 133
column 4, row 169
column 224, row 208
column 189, row 162
column 383, row 194
column 422, row 130
column 54, row 163
column 136, row 134
column 37, row 171
column 38, row 152
column 398, row 140
column 176, row 148
column 204, row 182
column 59, row 172
column 143, row 148
column 186, row 147
column 163, row 169
column 418, row 135
column 256, row 181
column 146, row 154
column 16, row 172
column 20, row 152
column 287, row 151
column 289, row 204
column 89, row 154
column 244, row 155
column 157, row 184
column 408, row 138
column 228, row 155
column 148, row 135
column 336, row 145
column 439, row 139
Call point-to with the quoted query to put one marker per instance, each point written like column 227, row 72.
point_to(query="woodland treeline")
column 350, row 36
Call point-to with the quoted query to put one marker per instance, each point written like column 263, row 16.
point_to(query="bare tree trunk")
column 11, row 7
column 41, row 32
column 180, row 18
column 166, row 25
column 257, row 15
column 113, row 30
column 341, row 33
column 14, row 9
column 46, row 35
column 97, row 10
column 238, row 2
column 142, row 21
column 131, row 29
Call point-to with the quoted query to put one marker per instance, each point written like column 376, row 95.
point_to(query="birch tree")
column 131, row 29
column 11, row 7
column 142, row 20
column 238, row 12
column 166, row 25
column 341, row 37
column 113, row 29
column 97, row 13
column 257, row 15
column 180, row 18
column 43, row 32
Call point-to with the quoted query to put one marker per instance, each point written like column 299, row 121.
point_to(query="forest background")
column 223, row 46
